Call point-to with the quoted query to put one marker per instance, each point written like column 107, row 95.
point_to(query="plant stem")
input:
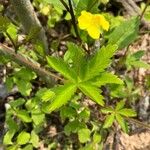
column 144, row 10
column 21, row 60
column 65, row 5
column 12, row 41
column 73, row 19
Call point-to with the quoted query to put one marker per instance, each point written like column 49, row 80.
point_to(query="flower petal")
column 84, row 20
column 102, row 21
column 94, row 32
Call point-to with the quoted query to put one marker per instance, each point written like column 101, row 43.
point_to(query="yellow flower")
column 93, row 23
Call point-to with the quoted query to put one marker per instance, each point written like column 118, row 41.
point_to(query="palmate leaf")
column 99, row 61
column 63, row 94
column 106, row 78
column 59, row 65
column 125, row 33
column 92, row 91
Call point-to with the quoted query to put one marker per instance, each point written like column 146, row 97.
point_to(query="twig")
column 21, row 60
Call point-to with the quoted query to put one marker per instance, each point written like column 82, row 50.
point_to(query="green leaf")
column 28, row 147
column 99, row 61
column 23, row 115
column 23, row 138
column 67, row 112
column 34, row 139
column 55, row 3
column 47, row 95
column 14, row 147
column 59, row 65
column 127, row 112
column 92, row 91
column 87, row 5
column 97, row 138
column 17, row 103
column 37, row 116
column 120, row 105
column 12, row 31
column 11, row 124
column 84, row 114
column 125, row 33
column 24, row 87
column 63, row 94
column 122, row 123
column 74, row 127
column 84, row 135
column 106, row 78
column 25, row 74
column 107, row 110
column 137, row 55
column 109, row 121
column 8, row 136
column 140, row 64
column 4, row 23
column 75, row 55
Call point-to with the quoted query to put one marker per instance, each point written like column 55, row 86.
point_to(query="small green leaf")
column 127, row 112
column 107, row 110
column 63, row 94
column 23, row 115
column 92, row 91
column 37, row 116
column 88, row 5
column 120, row 105
column 109, row 121
column 59, row 65
column 24, row 87
column 28, row 147
column 4, row 23
column 12, row 31
column 84, row 135
column 17, row 103
column 106, row 78
column 122, row 123
column 74, row 127
column 125, row 33
column 140, row 64
column 137, row 55
column 84, row 114
column 67, row 112
column 34, row 139
column 97, row 138
column 23, row 138
column 25, row 74
column 8, row 137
